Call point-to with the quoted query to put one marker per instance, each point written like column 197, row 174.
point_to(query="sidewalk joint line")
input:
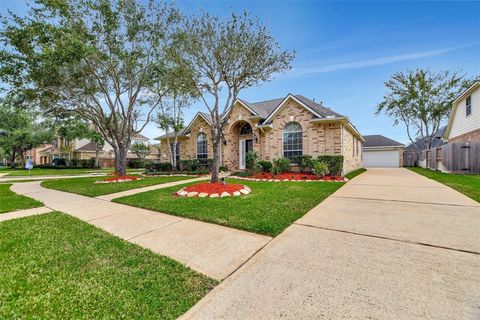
column 387, row 238
column 407, row 201
column 150, row 231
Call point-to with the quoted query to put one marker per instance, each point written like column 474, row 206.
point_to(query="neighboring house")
column 285, row 127
column 414, row 154
column 380, row 151
column 82, row 149
column 464, row 122
column 437, row 141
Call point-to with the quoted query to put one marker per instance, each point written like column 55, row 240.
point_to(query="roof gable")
column 453, row 112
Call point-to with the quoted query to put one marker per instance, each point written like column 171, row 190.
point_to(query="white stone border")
column 182, row 193
column 282, row 180
column 117, row 181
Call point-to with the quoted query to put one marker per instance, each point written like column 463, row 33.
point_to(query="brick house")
column 285, row 127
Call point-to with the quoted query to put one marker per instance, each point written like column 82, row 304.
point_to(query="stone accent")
column 352, row 151
column 182, row 193
column 472, row 136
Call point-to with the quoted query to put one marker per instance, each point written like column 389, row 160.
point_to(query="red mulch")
column 116, row 178
column 294, row 176
column 212, row 188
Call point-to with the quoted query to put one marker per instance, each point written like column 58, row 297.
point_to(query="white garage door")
column 381, row 158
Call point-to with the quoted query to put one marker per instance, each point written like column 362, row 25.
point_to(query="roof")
column 436, row 142
column 206, row 116
column 377, row 140
column 139, row 136
column 88, row 147
column 472, row 88
column 265, row 108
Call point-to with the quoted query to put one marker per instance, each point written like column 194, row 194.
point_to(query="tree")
column 97, row 59
column 21, row 128
column 76, row 128
column 421, row 100
column 231, row 54
column 140, row 150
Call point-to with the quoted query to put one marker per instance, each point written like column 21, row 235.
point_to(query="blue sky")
column 346, row 50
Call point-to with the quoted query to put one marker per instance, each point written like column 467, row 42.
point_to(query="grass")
column 355, row 173
column 54, row 266
column 48, row 172
column 269, row 209
column 469, row 185
column 88, row 187
column 10, row 201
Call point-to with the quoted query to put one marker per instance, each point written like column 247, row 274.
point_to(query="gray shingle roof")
column 436, row 142
column 377, row 140
column 88, row 147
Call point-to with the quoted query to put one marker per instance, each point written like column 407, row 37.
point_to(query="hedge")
column 152, row 168
column 196, row 164
column 335, row 164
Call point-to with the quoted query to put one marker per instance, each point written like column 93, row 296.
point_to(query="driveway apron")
column 390, row 244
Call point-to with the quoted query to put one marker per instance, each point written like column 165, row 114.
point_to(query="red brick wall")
column 472, row 136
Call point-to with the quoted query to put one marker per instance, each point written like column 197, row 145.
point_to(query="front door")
column 245, row 146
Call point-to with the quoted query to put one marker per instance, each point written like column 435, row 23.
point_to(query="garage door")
column 386, row 158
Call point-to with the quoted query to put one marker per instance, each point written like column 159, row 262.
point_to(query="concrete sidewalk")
column 111, row 196
column 23, row 213
column 390, row 244
column 208, row 248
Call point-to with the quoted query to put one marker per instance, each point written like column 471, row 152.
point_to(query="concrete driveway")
column 391, row 244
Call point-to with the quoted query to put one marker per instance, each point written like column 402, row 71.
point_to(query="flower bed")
column 116, row 179
column 292, row 176
column 214, row 190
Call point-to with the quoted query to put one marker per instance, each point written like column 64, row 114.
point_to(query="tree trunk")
column 121, row 160
column 12, row 160
column 216, row 159
column 97, row 153
column 22, row 158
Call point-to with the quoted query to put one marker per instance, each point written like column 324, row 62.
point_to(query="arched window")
column 292, row 140
column 202, row 146
column 246, row 129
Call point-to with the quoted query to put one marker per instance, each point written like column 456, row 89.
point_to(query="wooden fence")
column 452, row 157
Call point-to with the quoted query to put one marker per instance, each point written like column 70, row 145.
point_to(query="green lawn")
column 269, row 209
column 49, row 172
column 88, row 187
column 355, row 173
column 469, row 185
column 10, row 201
column 54, row 266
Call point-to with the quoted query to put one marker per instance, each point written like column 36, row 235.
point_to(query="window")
column 468, row 108
column 292, row 140
column 202, row 146
column 246, row 129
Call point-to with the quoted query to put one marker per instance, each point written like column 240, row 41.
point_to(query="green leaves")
column 421, row 100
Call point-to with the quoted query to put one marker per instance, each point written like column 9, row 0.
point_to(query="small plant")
column 266, row 166
column 223, row 169
column 320, row 169
column 303, row 162
column 251, row 162
column 280, row 165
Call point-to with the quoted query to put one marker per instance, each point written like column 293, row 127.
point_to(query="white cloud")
column 375, row 62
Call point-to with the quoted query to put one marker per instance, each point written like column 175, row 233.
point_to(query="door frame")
column 242, row 146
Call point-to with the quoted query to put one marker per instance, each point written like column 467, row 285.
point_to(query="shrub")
column 320, row 168
column 251, row 162
column 152, row 168
column 136, row 163
column 335, row 164
column 280, row 165
column 241, row 174
column 223, row 169
column 303, row 162
column 196, row 164
column 265, row 166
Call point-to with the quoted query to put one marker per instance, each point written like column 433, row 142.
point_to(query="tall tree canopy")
column 223, row 57
column 98, row 59
column 22, row 128
column 421, row 100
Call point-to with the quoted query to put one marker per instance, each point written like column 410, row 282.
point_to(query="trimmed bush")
column 303, row 162
column 223, row 169
column 335, row 164
column 136, row 163
column 320, row 168
column 280, row 165
column 152, row 168
column 265, row 166
column 196, row 164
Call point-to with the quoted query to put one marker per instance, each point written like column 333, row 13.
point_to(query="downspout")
column 341, row 147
